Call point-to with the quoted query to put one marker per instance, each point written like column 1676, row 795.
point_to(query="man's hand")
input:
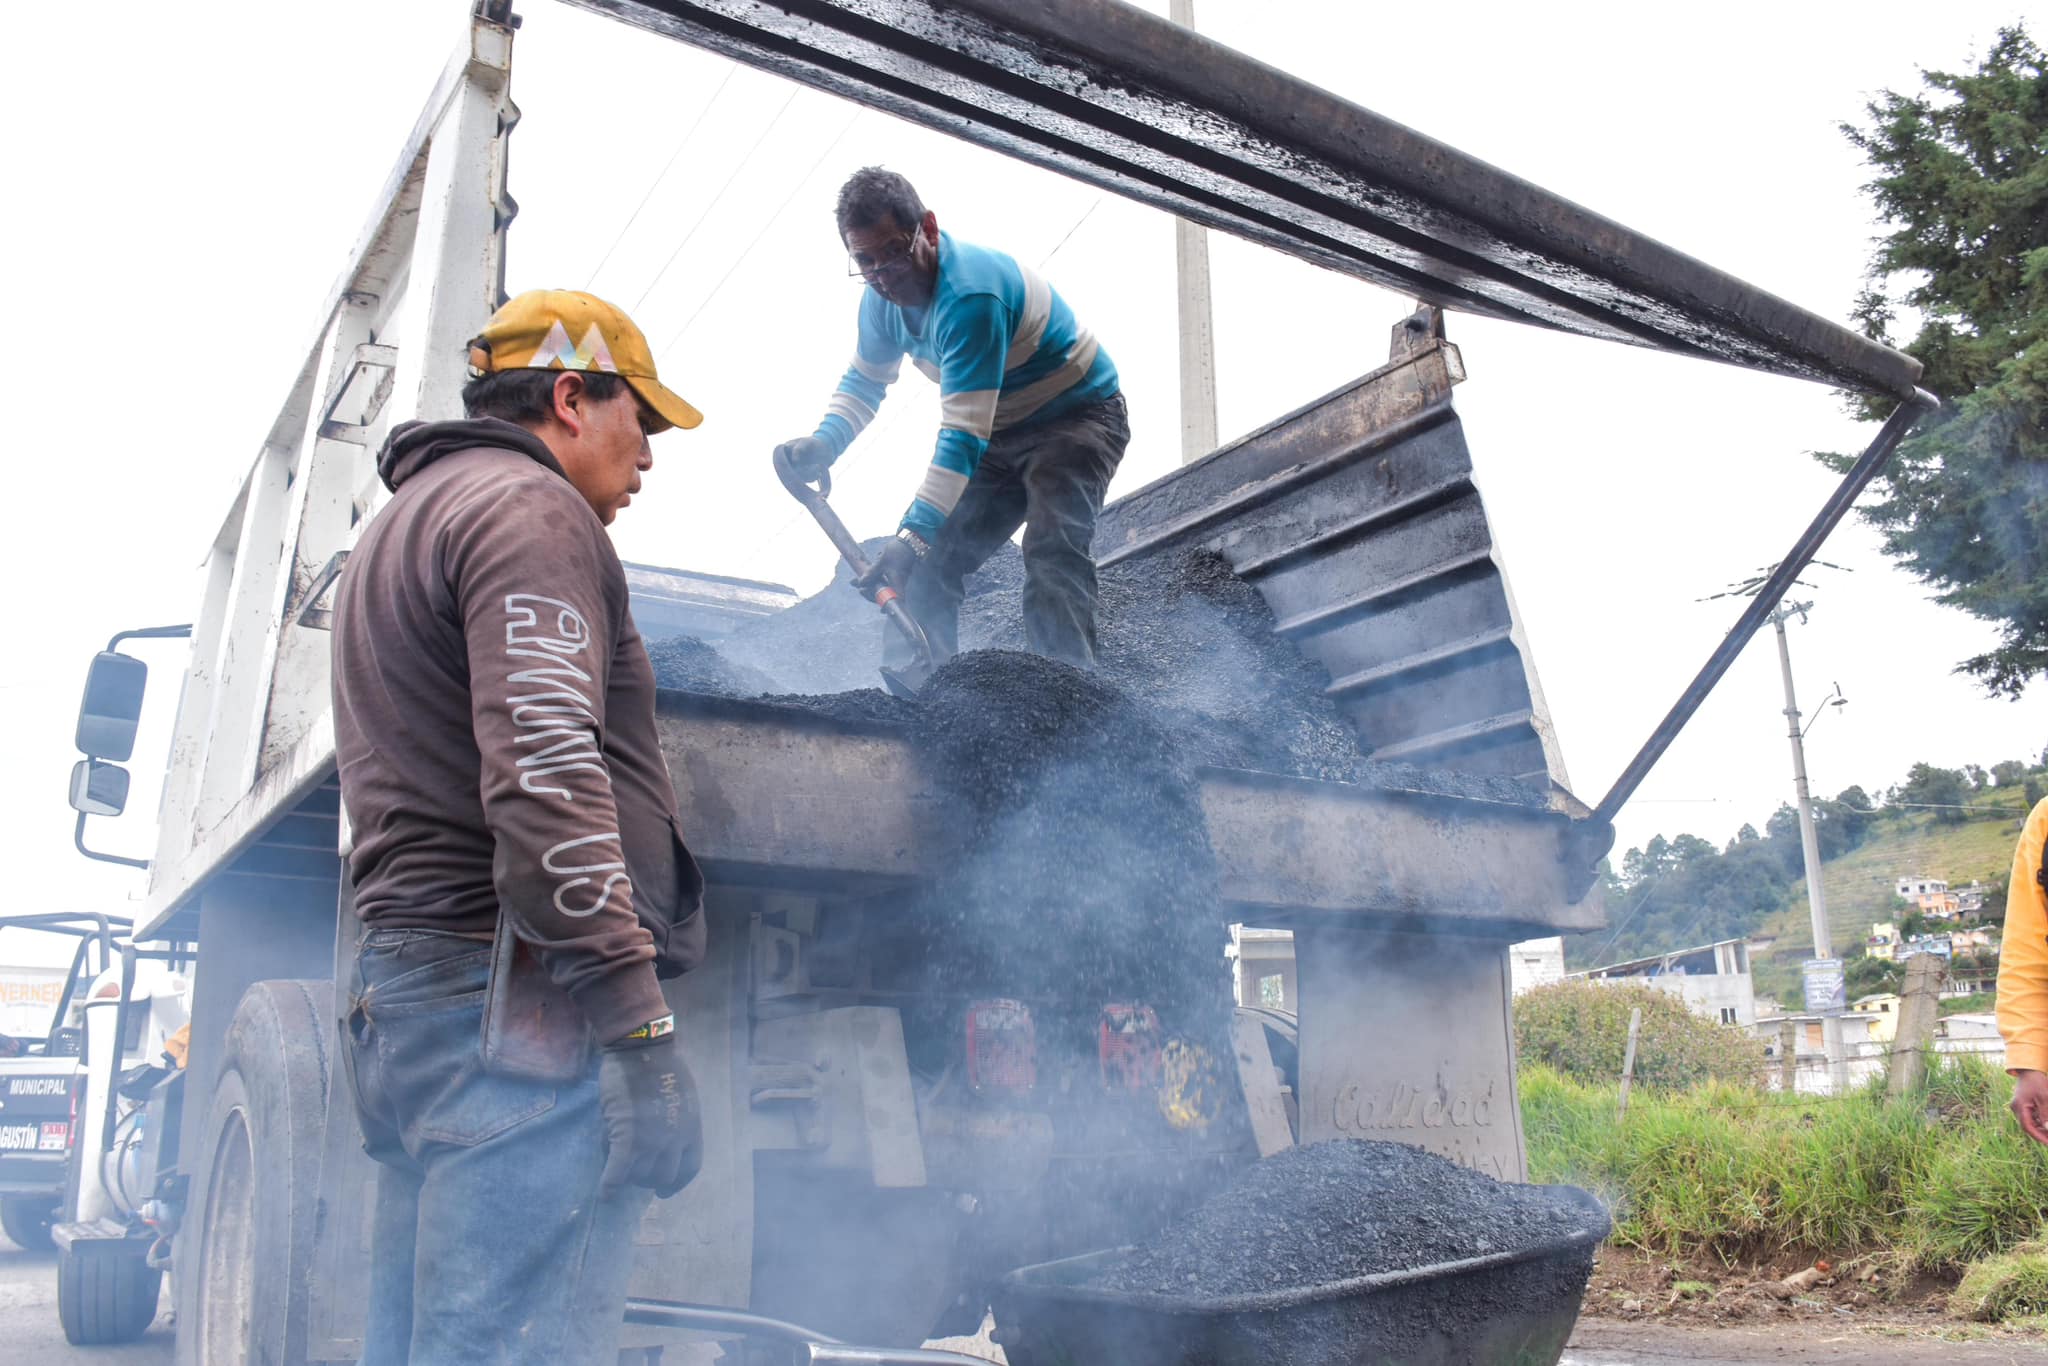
column 653, row 1132
column 2030, row 1103
column 893, row 566
column 807, row 456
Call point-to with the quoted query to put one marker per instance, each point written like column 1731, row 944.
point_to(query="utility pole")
column 1197, row 325
column 1809, row 840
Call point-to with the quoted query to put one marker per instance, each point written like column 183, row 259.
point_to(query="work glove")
column 808, row 457
column 893, row 565
column 653, row 1132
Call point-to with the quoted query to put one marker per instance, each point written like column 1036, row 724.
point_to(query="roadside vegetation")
column 1579, row 1030
column 1932, row 1182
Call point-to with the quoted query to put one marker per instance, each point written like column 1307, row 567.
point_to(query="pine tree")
column 1962, row 181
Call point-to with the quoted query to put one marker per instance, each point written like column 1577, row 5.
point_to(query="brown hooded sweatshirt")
column 494, row 724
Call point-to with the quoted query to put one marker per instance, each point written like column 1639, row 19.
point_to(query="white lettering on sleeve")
column 613, row 868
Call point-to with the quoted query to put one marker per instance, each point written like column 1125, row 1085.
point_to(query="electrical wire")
column 705, row 216
column 1085, row 215
column 669, row 165
column 765, row 231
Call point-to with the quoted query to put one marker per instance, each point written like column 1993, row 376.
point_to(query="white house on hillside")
column 1713, row 979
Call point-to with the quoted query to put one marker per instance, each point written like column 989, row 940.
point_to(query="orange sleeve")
column 2023, row 954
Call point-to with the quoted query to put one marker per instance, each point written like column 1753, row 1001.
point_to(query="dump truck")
column 857, row 1186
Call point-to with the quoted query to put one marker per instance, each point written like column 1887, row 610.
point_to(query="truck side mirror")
column 98, row 789
column 108, row 715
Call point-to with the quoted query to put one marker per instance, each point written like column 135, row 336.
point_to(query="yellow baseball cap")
column 566, row 329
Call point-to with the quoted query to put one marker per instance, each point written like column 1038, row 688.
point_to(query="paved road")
column 1598, row 1342
column 28, row 1318
column 28, row 1327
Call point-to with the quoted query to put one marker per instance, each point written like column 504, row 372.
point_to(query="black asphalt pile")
column 829, row 642
column 1087, row 871
column 1194, row 644
column 1178, row 633
column 687, row 664
column 1328, row 1212
column 1257, row 1275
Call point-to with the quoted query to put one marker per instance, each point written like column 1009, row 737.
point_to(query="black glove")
column 808, row 457
column 653, row 1133
column 893, row 566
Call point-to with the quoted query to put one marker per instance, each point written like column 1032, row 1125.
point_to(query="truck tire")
column 246, row 1253
column 108, row 1295
column 28, row 1220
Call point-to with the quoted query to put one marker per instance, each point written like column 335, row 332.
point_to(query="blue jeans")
column 489, row 1243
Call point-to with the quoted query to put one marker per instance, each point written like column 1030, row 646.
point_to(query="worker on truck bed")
column 1031, row 421
column 2023, row 978
column 517, row 868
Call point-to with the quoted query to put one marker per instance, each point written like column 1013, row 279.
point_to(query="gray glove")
column 652, row 1129
column 894, row 564
column 808, row 456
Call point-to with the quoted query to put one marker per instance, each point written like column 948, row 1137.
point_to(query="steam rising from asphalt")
column 1085, row 878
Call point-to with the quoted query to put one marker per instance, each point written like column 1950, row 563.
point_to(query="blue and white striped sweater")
column 1007, row 353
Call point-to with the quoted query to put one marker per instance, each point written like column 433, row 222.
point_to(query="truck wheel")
column 106, row 1296
column 28, row 1220
column 247, row 1251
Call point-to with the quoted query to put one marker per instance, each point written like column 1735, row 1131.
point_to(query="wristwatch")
column 652, row 1030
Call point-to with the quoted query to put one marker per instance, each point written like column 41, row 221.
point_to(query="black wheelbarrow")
column 1513, row 1308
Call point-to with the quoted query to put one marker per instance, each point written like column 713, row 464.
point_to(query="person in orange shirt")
column 2023, row 979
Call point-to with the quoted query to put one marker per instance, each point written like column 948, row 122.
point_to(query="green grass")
column 2013, row 1285
column 1939, row 1180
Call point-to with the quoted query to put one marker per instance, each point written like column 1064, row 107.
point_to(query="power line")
column 669, row 165
column 705, row 216
column 1085, row 214
column 768, row 228
column 1640, row 901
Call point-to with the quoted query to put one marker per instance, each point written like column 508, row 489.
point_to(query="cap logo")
column 555, row 350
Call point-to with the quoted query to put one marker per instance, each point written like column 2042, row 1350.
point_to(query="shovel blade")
column 908, row 681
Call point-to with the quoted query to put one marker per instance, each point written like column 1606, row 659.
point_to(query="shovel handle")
column 813, row 499
column 888, row 599
column 799, row 489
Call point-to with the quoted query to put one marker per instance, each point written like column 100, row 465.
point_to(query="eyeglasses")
column 890, row 265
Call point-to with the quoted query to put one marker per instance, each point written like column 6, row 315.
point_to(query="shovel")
column 903, row 682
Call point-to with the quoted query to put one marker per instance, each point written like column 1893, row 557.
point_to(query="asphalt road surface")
column 29, row 1330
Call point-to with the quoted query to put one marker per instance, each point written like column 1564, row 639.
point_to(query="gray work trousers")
column 1050, row 479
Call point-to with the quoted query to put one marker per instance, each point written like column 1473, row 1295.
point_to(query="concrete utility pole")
column 1919, row 1008
column 1197, row 325
column 1816, row 892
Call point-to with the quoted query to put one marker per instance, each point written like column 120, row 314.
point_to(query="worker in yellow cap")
column 516, row 869
column 2023, row 977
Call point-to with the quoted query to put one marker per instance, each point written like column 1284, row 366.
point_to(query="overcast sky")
column 189, row 179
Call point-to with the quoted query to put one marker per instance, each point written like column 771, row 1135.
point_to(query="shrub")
column 1580, row 1028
